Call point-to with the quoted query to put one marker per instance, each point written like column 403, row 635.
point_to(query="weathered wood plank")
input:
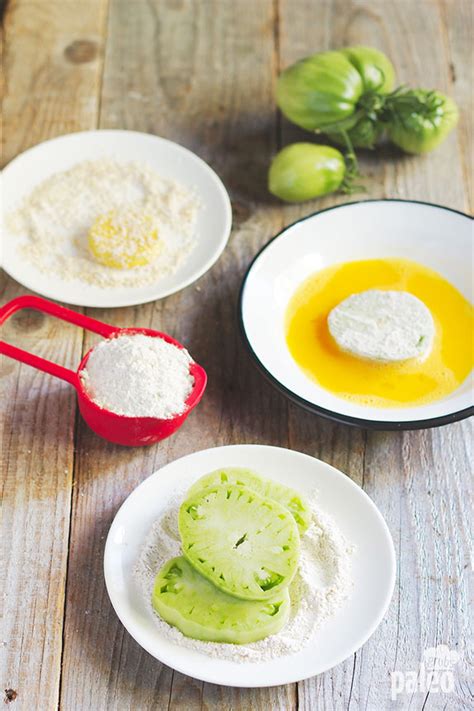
column 457, row 25
column 53, row 62
column 411, row 476
column 201, row 74
column 45, row 94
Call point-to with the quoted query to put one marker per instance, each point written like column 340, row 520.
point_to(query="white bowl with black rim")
column 432, row 235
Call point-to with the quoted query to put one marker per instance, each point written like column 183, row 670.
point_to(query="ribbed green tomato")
column 325, row 88
column 319, row 90
column 303, row 171
column 422, row 130
column 378, row 75
column 375, row 69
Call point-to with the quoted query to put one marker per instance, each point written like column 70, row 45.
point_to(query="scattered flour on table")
column 139, row 376
column 53, row 221
column 321, row 585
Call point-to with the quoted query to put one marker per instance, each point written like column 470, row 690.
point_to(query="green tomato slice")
column 245, row 544
column 287, row 497
column 188, row 601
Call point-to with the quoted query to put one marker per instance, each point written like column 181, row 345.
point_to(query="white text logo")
column 435, row 674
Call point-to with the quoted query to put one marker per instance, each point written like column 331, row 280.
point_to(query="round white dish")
column 350, row 507
column 435, row 236
column 170, row 161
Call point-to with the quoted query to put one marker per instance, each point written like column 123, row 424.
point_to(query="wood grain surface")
column 203, row 73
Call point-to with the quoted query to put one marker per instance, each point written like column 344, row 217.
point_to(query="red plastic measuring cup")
column 129, row 431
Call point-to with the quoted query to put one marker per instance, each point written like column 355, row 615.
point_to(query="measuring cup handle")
column 35, row 302
column 48, row 307
column 37, row 362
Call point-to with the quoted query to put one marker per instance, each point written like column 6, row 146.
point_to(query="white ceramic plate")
column 169, row 159
column 353, row 511
column 435, row 236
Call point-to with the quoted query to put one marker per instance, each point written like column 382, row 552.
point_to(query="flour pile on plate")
column 54, row 220
column 320, row 587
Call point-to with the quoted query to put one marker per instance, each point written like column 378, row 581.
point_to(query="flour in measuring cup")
column 139, row 376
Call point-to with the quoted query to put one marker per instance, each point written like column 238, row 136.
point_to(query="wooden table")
column 203, row 74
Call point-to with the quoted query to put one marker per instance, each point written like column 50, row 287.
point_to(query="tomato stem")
column 403, row 102
column 352, row 167
column 396, row 107
column 343, row 125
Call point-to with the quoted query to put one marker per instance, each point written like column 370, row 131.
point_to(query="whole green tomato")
column 422, row 128
column 364, row 134
column 319, row 90
column 329, row 87
column 303, row 171
column 378, row 77
column 374, row 67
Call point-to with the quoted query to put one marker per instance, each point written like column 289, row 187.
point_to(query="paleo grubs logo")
column 435, row 674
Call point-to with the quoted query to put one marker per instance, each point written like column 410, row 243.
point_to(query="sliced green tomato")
column 188, row 601
column 303, row 171
column 245, row 544
column 267, row 488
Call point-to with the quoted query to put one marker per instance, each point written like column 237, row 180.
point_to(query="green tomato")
column 364, row 134
column 319, row 90
column 303, row 171
column 423, row 129
column 374, row 67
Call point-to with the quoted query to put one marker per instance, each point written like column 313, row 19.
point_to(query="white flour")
column 52, row 223
column 320, row 587
column 139, row 376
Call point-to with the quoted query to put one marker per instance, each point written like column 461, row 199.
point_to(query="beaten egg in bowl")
column 413, row 381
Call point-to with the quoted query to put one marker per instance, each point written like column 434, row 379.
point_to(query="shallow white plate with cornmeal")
column 432, row 236
column 192, row 203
